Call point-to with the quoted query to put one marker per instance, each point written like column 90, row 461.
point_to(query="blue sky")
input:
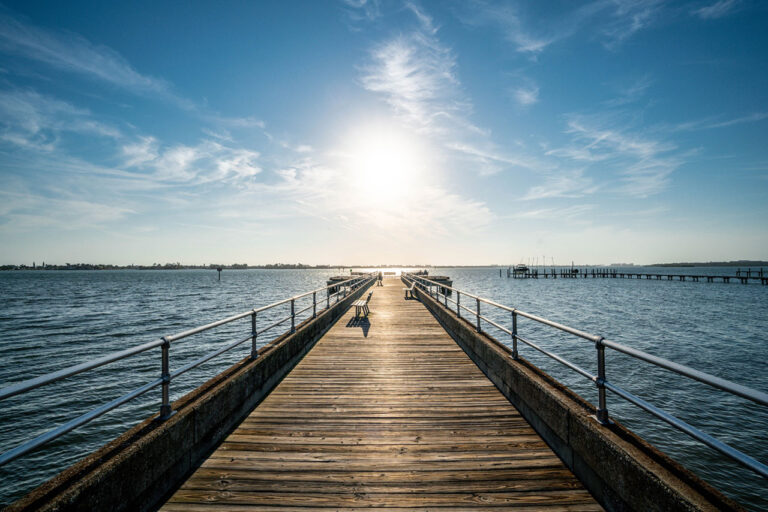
column 355, row 131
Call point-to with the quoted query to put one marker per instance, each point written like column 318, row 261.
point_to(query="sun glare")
column 386, row 162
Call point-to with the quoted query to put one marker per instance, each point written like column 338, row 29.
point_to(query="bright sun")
column 386, row 162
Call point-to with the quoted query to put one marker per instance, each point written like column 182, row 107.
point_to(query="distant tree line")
column 165, row 266
column 735, row 263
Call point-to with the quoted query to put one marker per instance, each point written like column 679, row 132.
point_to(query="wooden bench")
column 409, row 291
column 361, row 306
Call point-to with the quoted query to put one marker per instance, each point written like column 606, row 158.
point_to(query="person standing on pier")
column 381, row 279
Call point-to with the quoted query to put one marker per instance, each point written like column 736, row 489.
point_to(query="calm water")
column 53, row 319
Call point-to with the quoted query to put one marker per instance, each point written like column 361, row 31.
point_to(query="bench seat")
column 361, row 306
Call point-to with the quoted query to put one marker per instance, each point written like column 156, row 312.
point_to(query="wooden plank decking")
column 384, row 413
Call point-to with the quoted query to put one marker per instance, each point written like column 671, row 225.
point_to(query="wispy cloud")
column 561, row 184
column 358, row 11
column 139, row 152
column 565, row 213
column 32, row 120
column 629, row 17
column 73, row 53
column 613, row 21
column 713, row 122
column 490, row 160
column 506, row 17
column 209, row 161
column 426, row 21
column 716, row 10
column 630, row 93
column 416, row 75
column 526, row 96
column 643, row 164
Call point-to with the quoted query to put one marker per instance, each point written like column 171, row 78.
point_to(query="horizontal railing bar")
column 207, row 357
column 726, row 385
column 73, row 424
column 27, row 385
column 274, row 325
column 499, row 327
column 303, row 310
column 581, row 334
column 559, row 359
column 202, row 328
column 692, row 431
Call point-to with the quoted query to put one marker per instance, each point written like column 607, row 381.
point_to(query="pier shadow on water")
column 361, row 322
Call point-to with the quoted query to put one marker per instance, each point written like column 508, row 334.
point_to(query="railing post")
column 254, row 334
column 293, row 315
column 458, row 303
column 514, row 335
column 165, row 375
column 602, row 409
column 445, row 295
column 479, row 329
column 314, row 304
column 327, row 298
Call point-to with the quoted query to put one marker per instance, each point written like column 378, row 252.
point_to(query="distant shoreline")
column 300, row 266
column 739, row 263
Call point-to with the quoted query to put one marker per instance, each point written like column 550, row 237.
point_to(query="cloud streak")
column 562, row 184
column 643, row 164
column 614, row 21
column 713, row 123
column 209, row 161
column 716, row 10
column 31, row 120
column 526, row 96
column 73, row 53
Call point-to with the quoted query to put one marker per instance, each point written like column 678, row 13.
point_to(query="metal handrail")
column 433, row 288
column 342, row 287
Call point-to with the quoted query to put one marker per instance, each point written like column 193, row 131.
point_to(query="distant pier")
column 742, row 276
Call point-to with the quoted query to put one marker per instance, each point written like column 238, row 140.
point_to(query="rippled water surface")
column 49, row 320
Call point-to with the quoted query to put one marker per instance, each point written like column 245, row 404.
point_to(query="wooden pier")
column 384, row 412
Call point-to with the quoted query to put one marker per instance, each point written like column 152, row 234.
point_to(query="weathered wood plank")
column 393, row 416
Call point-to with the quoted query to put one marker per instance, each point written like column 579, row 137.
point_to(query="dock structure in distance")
column 743, row 277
